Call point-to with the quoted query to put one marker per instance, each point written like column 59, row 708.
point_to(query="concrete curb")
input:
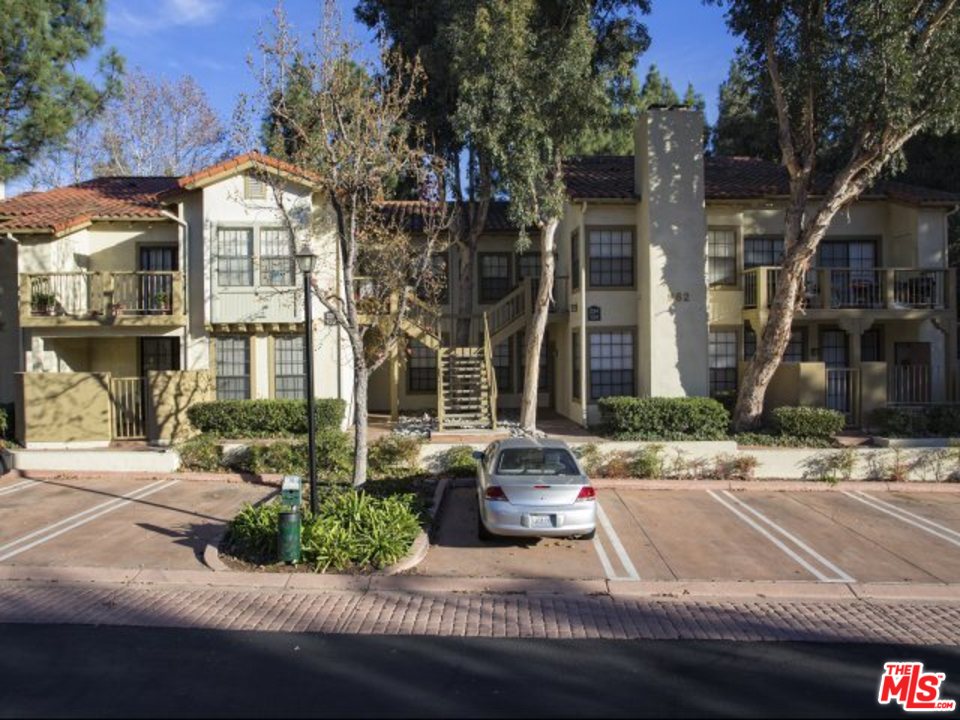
column 271, row 479
column 416, row 555
column 775, row 485
column 810, row 591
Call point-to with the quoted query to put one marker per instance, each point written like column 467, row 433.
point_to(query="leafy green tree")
column 41, row 94
column 746, row 120
column 862, row 77
column 440, row 34
column 613, row 133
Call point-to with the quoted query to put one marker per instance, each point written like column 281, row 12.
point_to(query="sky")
column 211, row 40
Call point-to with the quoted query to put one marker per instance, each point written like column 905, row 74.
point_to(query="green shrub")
column 589, row 456
column 691, row 418
column 394, row 455
column 648, row 462
column 808, row 421
column 252, row 534
column 263, row 418
column 200, row 454
column 770, row 440
column 334, row 456
column 6, row 413
column 458, row 461
column 945, row 420
column 900, row 422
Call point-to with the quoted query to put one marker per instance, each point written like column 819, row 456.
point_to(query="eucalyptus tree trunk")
column 538, row 326
column 361, row 385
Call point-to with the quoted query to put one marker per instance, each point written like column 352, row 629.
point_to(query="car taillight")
column 495, row 492
column 586, row 493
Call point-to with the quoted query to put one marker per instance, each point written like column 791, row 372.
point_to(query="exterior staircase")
column 464, row 389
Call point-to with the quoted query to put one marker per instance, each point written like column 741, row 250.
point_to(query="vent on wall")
column 254, row 188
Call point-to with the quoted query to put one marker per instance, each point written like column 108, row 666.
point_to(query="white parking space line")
column 735, row 505
column 17, row 487
column 618, row 548
column 15, row 547
column 918, row 521
column 604, row 560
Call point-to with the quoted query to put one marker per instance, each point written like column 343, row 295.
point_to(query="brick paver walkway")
column 481, row 615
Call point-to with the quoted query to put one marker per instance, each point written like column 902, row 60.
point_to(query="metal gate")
column 843, row 393
column 127, row 396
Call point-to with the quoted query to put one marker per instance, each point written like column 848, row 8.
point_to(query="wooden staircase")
column 464, row 389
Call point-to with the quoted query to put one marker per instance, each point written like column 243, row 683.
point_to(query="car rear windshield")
column 536, row 461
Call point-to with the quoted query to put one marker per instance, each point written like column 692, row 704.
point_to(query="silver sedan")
column 533, row 488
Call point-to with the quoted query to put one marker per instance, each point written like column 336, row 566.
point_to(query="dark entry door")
column 160, row 353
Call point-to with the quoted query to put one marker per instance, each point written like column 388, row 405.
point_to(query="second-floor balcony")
column 829, row 288
column 97, row 299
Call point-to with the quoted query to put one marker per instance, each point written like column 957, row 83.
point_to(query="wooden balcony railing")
column 92, row 298
column 856, row 288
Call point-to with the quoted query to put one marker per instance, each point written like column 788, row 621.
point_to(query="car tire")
column 482, row 531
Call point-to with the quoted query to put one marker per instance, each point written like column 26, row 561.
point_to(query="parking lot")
column 710, row 535
column 115, row 522
column 716, row 535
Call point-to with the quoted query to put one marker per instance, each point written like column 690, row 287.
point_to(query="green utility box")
column 288, row 530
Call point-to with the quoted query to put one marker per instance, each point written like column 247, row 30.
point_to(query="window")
column 254, row 188
column 761, row 251
column 536, row 461
column 722, row 358
column 721, row 257
column 575, row 349
column 276, row 257
column 611, row 364
column 494, row 276
column 288, row 362
column 543, row 379
column 575, row 259
column 234, row 257
column 833, row 348
column 529, row 266
column 611, row 258
column 421, row 368
column 233, row 368
column 501, row 366
column 795, row 351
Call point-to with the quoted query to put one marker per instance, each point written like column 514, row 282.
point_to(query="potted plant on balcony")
column 43, row 303
column 161, row 302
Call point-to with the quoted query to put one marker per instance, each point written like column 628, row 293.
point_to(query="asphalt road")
column 58, row 670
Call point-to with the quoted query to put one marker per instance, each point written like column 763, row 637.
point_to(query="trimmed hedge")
column 263, row 418
column 334, row 456
column 683, row 418
column 813, row 422
column 928, row 421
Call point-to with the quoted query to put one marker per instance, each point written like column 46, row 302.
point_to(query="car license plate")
column 541, row 521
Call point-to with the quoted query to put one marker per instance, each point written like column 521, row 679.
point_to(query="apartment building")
column 152, row 293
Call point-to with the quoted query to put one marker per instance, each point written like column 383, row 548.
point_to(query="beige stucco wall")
column 171, row 394
column 673, row 236
column 63, row 407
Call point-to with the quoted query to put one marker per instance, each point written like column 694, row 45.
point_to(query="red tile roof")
column 240, row 163
column 75, row 206
column 727, row 178
column 69, row 208
column 411, row 214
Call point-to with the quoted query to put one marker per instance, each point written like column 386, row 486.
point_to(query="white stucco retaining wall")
column 92, row 461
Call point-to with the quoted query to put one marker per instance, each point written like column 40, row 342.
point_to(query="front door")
column 156, row 284
column 834, row 348
column 162, row 353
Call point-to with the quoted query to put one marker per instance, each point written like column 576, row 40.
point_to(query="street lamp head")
column 305, row 258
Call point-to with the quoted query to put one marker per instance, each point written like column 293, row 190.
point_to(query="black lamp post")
column 305, row 261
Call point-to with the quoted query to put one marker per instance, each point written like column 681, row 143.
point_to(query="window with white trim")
column 276, row 258
column 289, row 382
column 235, row 257
column 721, row 257
column 494, row 276
column 502, row 366
column 233, row 367
column 421, row 367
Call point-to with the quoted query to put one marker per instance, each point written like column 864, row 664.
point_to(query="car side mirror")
column 478, row 455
